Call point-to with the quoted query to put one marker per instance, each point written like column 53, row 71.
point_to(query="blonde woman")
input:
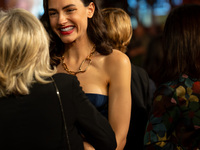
column 38, row 109
column 118, row 26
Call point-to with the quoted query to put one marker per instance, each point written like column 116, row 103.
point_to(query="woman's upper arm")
column 119, row 93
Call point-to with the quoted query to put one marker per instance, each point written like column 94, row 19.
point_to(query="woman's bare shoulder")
column 117, row 57
column 116, row 62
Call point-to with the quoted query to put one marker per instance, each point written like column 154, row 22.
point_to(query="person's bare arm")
column 119, row 96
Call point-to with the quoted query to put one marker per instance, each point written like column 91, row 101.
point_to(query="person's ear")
column 91, row 9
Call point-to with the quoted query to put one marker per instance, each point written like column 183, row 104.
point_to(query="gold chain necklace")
column 88, row 58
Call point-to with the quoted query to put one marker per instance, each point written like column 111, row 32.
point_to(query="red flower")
column 196, row 87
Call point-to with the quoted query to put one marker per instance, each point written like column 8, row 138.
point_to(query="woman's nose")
column 62, row 19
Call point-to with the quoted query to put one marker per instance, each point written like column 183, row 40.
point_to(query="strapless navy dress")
column 100, row 102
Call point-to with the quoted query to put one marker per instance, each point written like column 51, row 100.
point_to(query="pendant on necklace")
column 88, row 58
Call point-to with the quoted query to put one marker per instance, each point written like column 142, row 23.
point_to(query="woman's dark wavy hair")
column 181, row 43
column 96, row 32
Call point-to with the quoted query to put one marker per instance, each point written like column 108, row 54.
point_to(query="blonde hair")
column 119, row 28
column 24, row 52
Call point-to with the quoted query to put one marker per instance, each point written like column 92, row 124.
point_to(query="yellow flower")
column 162, row 140
column 181, row 91
column 189, row 91
column 158, row 98
column 179, row 148
column 161, row 144
column 193, row 98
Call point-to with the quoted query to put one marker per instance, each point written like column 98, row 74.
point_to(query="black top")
column 34, row 121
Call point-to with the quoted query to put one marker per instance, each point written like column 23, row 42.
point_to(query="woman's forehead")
column 54, row 3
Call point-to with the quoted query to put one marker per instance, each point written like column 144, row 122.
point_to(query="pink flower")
column 173, row 101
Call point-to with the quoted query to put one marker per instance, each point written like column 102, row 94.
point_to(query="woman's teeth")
column 67, row 29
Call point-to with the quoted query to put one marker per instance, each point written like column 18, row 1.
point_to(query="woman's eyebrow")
column 53, row 9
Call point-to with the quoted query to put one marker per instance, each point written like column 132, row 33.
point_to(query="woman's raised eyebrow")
column 53, row 9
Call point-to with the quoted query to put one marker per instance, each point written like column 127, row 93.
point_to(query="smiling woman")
column 79, row 46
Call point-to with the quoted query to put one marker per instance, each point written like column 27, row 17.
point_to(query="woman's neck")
column 78, row 50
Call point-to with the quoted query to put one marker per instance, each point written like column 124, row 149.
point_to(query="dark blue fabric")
column 100, row 102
